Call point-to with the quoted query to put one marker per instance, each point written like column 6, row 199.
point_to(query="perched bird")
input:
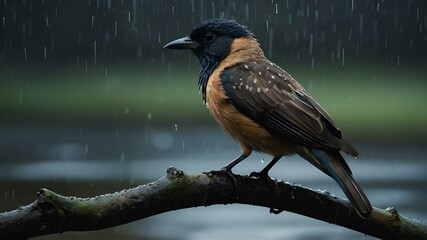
column 263, row 107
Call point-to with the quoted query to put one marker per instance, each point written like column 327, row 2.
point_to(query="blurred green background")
column 367, row 101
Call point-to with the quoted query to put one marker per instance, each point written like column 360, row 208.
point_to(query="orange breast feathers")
column 249, row 134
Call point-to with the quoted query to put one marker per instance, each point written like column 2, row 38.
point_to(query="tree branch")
column 53, row 213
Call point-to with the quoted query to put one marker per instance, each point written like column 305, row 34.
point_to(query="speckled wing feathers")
column 270, row 96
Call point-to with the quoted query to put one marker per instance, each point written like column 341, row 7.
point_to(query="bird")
column 263, row 108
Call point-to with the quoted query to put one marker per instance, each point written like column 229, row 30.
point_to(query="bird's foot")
column 260, row 175
column 230, row 176
column 264, row 177
column 272, row 185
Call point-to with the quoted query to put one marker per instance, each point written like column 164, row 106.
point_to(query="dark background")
column 91, row 103
column 133, row 32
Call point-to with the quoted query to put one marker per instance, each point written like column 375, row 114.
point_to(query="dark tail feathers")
column 337, row 168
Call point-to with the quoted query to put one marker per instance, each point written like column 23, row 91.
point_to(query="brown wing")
column 267, row 94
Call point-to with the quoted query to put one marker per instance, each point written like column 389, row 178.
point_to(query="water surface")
column 91, row 161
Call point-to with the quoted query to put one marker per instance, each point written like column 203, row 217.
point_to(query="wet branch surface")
column 53, row 213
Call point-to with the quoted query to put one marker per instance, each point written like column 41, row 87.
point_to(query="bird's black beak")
column 182, row 43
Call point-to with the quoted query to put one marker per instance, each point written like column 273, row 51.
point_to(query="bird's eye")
column 209, row 37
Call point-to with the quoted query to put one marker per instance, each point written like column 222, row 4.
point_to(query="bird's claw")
column 274, row 188
column 230, row 176
column 264, row 176
column 261, row 175
column 258, row 175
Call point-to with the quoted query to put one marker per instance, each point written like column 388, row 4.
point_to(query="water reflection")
column 77, row 168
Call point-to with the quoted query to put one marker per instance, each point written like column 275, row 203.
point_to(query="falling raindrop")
column 312, row 62
column 361, row 24
column 106, row 73
column 398, row 60
column 115, row 28
column 25, row 53
column 270, row 42
column 342, row 55
column 310, row 49
column 183, row 145
column 129, row 17
column 192, row 6
column 93, row 20
column 149, row 31
column 378, row 7
column 94, row 52
column 202, row 7
column 418, row 13
column 4, row 22
column 213, row 8
column 247, row 11
column 86, row 67
column 13, row 194
column 277, row 9
column 45, row 53
column 176, row 127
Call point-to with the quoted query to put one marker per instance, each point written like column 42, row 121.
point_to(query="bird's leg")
column 263, row 174
column 234, row 162
column 229, row 173
column 227, row 169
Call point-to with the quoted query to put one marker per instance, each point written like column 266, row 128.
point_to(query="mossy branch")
column 53, row 213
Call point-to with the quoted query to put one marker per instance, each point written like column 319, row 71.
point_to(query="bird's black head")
column 212, row 39
column 210, row 42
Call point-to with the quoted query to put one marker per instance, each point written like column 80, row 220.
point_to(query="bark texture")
column 53, row 213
